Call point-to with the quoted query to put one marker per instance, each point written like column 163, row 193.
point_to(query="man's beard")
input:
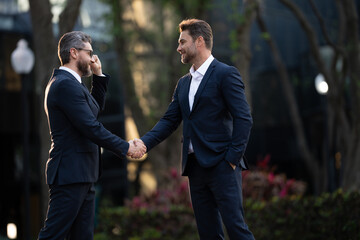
column 188, row 57
column 84, row 68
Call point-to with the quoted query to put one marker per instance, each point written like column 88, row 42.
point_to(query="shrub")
column 274, row 209
column 262, row 183
column 174, row 192
column 328, row 217
column 166, row 214
column 140, row 224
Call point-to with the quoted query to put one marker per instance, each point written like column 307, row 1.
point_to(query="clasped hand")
column 137, row 148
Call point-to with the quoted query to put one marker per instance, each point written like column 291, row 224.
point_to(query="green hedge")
column 331, row 216
column 140, row 224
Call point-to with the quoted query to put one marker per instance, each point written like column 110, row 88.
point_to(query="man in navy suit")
column 74, row 158
column 210, row 100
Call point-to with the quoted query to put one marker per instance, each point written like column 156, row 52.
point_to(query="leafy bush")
column 262, row 183
column 174, row 192
column 328, row 217
column 140, row 224
column 274, row 209
column 166, row 214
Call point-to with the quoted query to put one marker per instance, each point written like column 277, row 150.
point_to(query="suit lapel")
column 91, row 97
column 82, row 85
column 203, row 83
column 185, row 94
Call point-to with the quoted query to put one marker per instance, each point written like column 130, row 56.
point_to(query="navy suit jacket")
column 76, row 134
column 220, row 121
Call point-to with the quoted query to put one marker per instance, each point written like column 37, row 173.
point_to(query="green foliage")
column 165, row 214
column 327, row 217
column 126, row 223
column 266, row 36
column 235, row 44
column 331, row 216
column 188, row 9
column 275, row 210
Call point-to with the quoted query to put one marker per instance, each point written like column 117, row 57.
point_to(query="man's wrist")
column 100, row 74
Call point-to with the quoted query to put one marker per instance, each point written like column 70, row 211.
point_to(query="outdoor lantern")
column 321, row 85
column 22, row 58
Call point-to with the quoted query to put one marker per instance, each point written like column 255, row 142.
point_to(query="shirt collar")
column 77, row 76
column 203, row 68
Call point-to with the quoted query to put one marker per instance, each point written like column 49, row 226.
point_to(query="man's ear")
column 73, row 53
column 200, row 41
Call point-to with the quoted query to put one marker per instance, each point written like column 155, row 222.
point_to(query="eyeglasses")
column 91, row 52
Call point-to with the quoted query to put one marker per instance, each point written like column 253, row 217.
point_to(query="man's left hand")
column 96, row 66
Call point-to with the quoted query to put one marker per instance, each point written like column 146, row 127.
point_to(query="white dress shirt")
column 197, row 76
column 77, row 76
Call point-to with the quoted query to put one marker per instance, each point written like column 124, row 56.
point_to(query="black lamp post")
column 322, row 88
column 22, row 61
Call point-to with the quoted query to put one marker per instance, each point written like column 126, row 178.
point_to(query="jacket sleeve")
column 99, row 88
column 234, row 94
column 166, row 125
column 72, row 101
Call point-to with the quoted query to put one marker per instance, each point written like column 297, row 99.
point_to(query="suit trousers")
column 216, row 195
column 70, row 213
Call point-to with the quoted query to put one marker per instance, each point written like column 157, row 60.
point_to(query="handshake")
column 137, row 148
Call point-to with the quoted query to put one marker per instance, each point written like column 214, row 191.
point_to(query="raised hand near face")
column 96, row 65
column 136, row 149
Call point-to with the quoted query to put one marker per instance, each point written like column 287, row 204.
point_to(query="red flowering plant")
column 262, row 183
column 174, row 192
column 165, row 214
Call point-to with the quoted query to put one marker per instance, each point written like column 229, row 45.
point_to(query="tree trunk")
column 242, row 44
column 310, row 161
column 158, row 157
column 344, row 134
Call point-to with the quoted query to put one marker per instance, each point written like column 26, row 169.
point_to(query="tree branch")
column 334, row 94
column 353, row 54
column 310, row 33
column 309, row 159
column 68, row 16
column 322, row 25
column 340, row 42
column 242, row 52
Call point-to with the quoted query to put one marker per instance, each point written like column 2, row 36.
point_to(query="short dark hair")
column 197, row 28
column 75, row 39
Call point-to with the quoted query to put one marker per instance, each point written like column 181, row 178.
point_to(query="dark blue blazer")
column 75, row 132
column 220, row 121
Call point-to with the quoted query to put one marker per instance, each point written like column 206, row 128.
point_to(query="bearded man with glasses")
column 76, row 137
